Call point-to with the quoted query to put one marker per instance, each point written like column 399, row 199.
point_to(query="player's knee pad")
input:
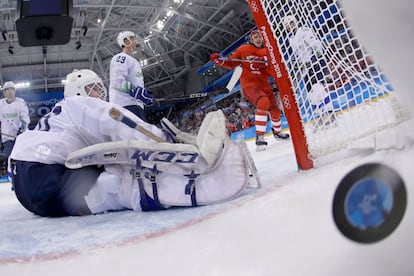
column 263, row 103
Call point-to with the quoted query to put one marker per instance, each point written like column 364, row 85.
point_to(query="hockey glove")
column 215, row 57
column 143, row 94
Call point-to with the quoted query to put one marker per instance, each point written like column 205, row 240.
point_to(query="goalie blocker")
column 143, row 175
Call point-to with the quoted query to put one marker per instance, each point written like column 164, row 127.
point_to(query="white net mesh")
column 341, row 93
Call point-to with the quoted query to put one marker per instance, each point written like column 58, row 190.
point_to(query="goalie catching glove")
column 143, row 94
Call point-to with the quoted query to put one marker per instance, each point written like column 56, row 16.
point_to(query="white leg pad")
column 114, row 192
column 103, row 196
column 211, row 136
column 227, row 179
column 169, row 157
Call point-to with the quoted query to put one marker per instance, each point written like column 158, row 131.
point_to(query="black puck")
column 369, row 203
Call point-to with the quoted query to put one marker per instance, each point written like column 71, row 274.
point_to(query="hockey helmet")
column 254, row 32
column 85, row 83
column 124, row 35
column 287, row 20
column 9, row 84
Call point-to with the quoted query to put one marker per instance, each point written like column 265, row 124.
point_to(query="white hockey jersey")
column 13, row 116
column 75, row 123
column 125, row 73
column 304, row 44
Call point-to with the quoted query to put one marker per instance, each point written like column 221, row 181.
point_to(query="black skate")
column 280, row 135
column 261, row 143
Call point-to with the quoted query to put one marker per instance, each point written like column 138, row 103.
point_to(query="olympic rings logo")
column 254, row 6
column 286, row 102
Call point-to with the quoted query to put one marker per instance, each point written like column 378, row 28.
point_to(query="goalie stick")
column 250, row 162
column 117, row 115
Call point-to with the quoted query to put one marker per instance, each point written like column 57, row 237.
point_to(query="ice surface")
column 285, row 228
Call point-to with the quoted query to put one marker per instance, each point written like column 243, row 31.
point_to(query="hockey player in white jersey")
column 14, row 116
column 126, row 86
column 308, row 51
column 116, row 167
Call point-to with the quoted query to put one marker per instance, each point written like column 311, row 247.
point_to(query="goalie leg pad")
column 104, row 194
column 199, row 156
column 226, row 181
column 178, row 158
column 212, row 136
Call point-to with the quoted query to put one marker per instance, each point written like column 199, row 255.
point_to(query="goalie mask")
column 120, row 39
column 290, row 23
column 84, row 83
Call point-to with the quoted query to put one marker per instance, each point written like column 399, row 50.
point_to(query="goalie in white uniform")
column 138, row 174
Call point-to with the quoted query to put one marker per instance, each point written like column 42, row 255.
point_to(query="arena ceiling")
column 177, row 37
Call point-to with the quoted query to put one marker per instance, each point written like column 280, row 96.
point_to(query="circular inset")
column 369, row 203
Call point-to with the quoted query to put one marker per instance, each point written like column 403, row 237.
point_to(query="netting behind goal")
column 332, row 90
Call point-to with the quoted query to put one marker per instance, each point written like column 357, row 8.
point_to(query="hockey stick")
column 250, row 162
column 243, row 60
column 234, row 78
column 117, row 115
column 194, row 95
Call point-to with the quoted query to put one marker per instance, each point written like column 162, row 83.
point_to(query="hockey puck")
column 369, row 203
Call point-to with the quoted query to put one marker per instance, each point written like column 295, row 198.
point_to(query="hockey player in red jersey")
column 255, row 84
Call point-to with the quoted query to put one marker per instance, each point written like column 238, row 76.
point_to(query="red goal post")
column 285, row 87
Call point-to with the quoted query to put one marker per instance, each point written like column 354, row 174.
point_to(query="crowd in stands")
column 188, row 115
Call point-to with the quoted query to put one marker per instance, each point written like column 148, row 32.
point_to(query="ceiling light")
column 160, row 24
column 78, row 45
column 11, row 48
column 22, row 84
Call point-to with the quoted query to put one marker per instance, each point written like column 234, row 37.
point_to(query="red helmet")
column 254, row 32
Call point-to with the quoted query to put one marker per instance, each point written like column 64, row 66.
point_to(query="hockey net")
column 334, row 98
